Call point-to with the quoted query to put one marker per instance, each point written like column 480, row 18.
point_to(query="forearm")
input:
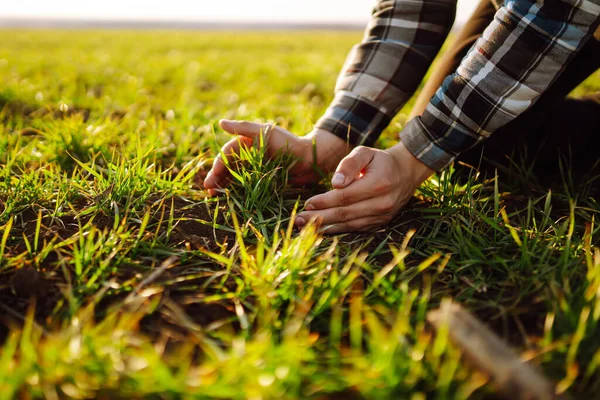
column 518, row 57
column 383, row 71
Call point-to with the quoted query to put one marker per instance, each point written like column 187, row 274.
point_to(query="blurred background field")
column 145, row 287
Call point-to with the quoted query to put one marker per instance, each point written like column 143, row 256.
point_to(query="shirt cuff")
column 418, row 142
column 354, row 119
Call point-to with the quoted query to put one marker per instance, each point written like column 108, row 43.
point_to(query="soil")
column 40, row 284
column 19, row 291
column 193, row 230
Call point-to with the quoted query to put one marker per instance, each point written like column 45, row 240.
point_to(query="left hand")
column 370, row 187
column 319, row 148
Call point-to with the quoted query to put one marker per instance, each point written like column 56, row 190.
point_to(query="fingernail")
column 338, row 179
column 309, row 207
column 299, row 221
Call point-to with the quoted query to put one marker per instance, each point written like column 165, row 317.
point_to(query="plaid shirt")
column 519, row 55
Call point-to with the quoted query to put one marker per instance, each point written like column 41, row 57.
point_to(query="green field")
column 119, row 278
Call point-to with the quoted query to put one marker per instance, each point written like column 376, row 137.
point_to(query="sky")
column 343, row 11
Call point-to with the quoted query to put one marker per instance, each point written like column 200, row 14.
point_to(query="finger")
column 375, row 207
column 351, row 166
column 356, row 225
column 244, row 128
column 219, row 170
column 219, row 173
column 215, row 192
column 369, row 186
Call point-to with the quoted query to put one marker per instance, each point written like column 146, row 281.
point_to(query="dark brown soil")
column 40, row 284
column 193, row 229
column 22, row 289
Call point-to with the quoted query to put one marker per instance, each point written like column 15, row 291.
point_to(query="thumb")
column 244, row 128
column 351, row 166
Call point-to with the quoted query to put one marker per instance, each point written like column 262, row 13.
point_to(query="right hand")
column 370, row 187
column 330, row 149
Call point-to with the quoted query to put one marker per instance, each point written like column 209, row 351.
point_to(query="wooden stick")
column 512, row 377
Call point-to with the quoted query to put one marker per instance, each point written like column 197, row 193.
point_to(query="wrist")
column 325, row 149
column 414, row 167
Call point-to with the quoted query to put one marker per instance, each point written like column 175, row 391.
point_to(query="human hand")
column 370, row 187
column 329, row 151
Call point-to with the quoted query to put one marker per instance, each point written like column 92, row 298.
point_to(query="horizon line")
column 150, row 23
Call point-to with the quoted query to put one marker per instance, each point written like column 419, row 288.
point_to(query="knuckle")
column 347, row 228
column 383, row 209
column 342, row 214
column 386, row 207
column 352, row 163
column 357, row 151
column 343, row 198
column 384, row 185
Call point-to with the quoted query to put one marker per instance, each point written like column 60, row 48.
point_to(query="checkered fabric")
column 519, row 55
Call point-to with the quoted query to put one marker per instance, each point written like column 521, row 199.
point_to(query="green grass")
column 147, row 288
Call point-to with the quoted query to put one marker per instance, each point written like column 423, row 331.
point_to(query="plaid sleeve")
column 524, row 50
column 383, row 71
